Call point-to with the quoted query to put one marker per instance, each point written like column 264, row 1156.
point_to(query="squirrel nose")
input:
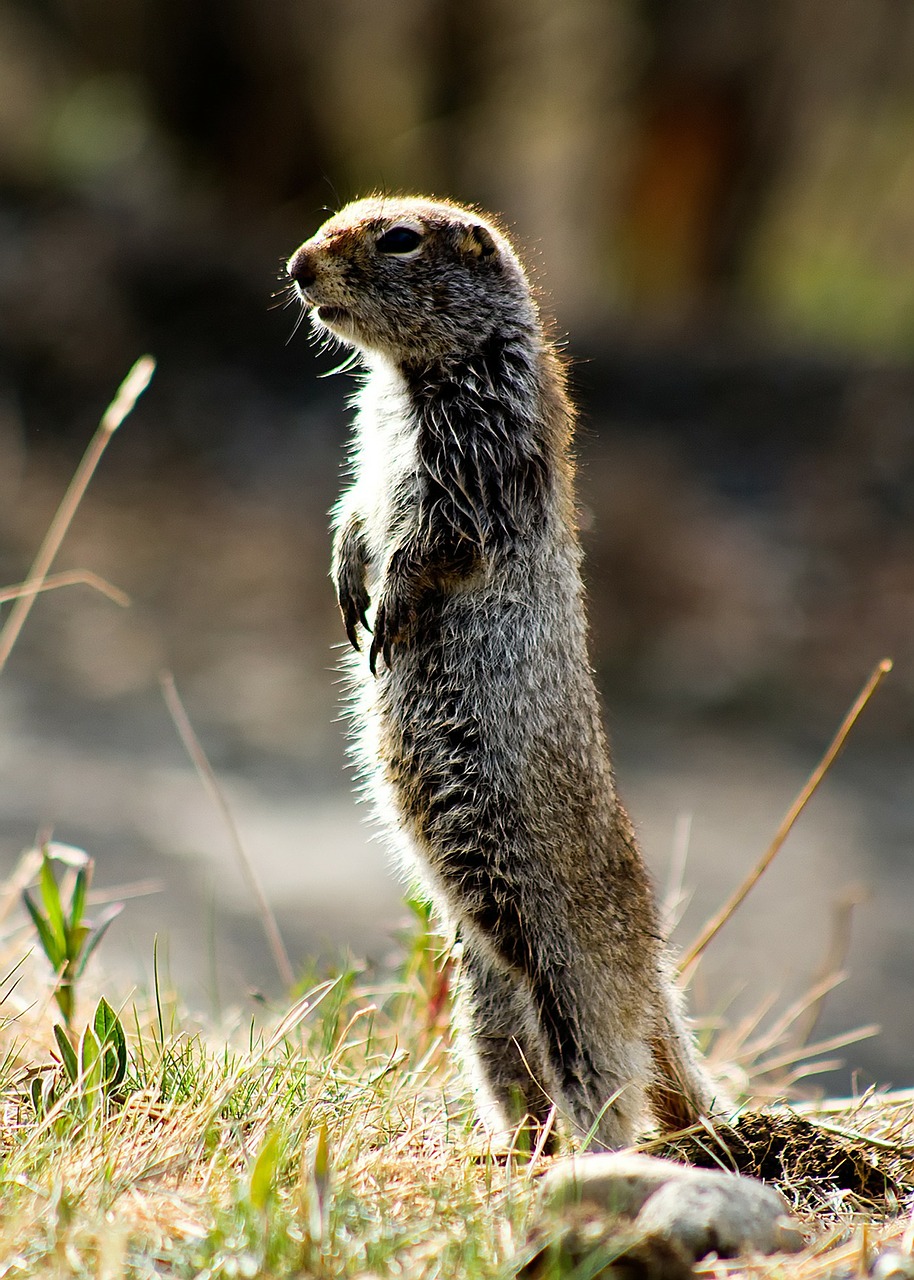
column 301, row 269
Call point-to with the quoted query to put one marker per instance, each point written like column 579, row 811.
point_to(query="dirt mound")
column 803, row 1159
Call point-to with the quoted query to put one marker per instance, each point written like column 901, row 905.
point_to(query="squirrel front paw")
column 354, row 600
column 395, row 623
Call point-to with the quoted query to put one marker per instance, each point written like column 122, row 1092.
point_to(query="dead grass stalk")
column 736, row 899
column 128, row 393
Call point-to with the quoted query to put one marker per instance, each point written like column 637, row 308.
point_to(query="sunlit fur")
column 480, row 735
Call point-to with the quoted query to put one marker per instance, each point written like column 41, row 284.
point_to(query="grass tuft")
column 331, row 1139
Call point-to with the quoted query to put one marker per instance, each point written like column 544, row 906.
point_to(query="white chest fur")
column 385, row 458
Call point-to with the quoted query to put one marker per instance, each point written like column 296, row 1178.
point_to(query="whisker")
column 344, row 367
column 297, row 325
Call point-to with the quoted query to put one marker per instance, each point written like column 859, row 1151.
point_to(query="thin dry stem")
column 69, row 578
column 541, row 1141
column 674, row 897
column 790, row 1056
column 117, row 892
column 867, row 1139
column 902, row 1099
column 24, row 873
column 127, row 395
column 717, row 921
column 216, row 794
column 299, row 1011
column 775, row 1035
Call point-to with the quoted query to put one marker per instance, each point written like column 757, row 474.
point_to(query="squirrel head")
column 412, row 279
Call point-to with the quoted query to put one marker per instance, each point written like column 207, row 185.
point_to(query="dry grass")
column 335, row 1139
column 331, row 1141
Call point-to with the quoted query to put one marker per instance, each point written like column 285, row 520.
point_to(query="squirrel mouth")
column 332, row 315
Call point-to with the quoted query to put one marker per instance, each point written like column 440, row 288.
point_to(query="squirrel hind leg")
column 602, row 1066
column 502, row 1047
column 675, row 1102
column 682, row 1090
column 607, row 1106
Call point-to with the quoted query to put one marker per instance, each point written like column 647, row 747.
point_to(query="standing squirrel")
column 479, row 728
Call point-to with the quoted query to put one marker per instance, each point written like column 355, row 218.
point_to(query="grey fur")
column 479, row 729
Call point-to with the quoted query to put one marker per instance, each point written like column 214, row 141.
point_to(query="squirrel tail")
column 682, row 1091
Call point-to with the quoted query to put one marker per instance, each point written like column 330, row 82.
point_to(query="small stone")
column 722, row 1213
column 603, row 1249
column 893, row 1265
column 613, row 1182
column 689, row 1212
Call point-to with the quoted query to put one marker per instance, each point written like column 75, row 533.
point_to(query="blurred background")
column 718, row 203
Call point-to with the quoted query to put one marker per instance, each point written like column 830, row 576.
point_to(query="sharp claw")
column 363, row 618
column 373, row 658
column 349, row 618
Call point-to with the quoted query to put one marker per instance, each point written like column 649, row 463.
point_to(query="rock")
column 615, row 1182
column 600, row 1249
column 893, row 1264
column 722, row 1213
column 653, row 1218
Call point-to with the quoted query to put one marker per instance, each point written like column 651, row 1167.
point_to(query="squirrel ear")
column 478, row 240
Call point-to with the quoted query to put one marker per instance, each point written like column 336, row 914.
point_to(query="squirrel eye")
column 399, row 240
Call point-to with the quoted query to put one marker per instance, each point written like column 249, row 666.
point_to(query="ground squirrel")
column 479, row 726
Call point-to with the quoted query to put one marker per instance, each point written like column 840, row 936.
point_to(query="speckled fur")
column 480, row 733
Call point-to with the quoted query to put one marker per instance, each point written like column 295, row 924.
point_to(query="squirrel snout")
column 301, row 268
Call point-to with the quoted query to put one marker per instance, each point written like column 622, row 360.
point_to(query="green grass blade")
column 78, row 901
column 104, row 1020
column 65, row 999
column 90, row 1061
column 67, row 1055
column 266, row 1167
column 110, row 1033
column 321, row 1175
column 158, row 993
column 50, row 896
column 49, row 944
